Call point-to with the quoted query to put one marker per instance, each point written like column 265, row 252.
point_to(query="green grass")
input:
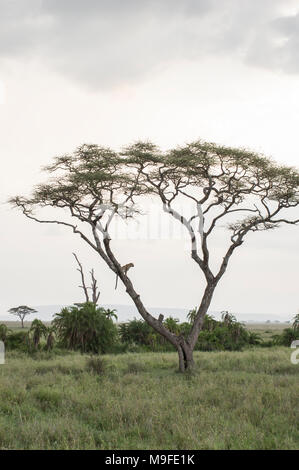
column 17, row 326
column 234, row 400
column 267, row 330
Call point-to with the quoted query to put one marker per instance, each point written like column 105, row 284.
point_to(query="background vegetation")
column 87, row 328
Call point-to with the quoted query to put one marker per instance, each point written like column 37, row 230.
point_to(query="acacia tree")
column 22, row 311
column 95, row 185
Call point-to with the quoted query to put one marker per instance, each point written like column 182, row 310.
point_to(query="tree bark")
column 201, row 312
column 186, row 361
column 80, row 269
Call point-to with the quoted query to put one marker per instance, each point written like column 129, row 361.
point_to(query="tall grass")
column 234, row 400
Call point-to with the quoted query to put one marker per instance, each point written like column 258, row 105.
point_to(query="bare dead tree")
column 83, row 286
column 247, row 190
column 93, row 288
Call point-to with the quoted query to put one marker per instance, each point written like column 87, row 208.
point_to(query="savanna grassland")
column 267, row 330
column 234, row 400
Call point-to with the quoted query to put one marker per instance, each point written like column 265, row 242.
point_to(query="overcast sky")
column 172, row 71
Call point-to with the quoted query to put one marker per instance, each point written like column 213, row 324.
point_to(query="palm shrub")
column 296, row 322
column 38, row 330
column 191, row 315
column 136, row 331
column 4, row 330
column 50, row 337
column 172, row 324
column 111, row 313
column 228, row 318
column 85, row 327
column 254, row 338
column 223, row 337
column 209, row 323
column 227, row 334
column 287, row 337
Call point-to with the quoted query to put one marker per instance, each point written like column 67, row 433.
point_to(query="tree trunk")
column 200, row 314
column 184, row 346
column 186, row 361
column 22, row 321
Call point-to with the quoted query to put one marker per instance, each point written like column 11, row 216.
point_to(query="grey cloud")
column 277, row 45
column 101, row 43
column 289, row 49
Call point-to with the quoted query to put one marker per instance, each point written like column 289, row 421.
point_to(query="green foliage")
column 37, row 331
column 50, row 334
column 226, row 176
column 172, row 324
column 85, row 327
column 228, row 318
column 138, row 335
column 136, row 331
column 97, row 365
column 17, row 341
column 4, row 330
column 296, row 322
column 227, row 334
column 288, row 335
column 134, row 367
column 111, row 314
column 191, row 315
column 209, row 322
column 254, row 338
column 224, row 337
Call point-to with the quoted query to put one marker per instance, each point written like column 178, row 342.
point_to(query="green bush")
column 136, row 331
column 18, row 340
column 85, row 327
column 97, row 365
column 285, row 339
column 227, row 334
column 4, row 331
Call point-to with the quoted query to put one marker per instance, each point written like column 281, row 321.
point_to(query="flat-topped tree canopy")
column 244, row 189
column 219, row 176
column 21, row 311
column 209, row 174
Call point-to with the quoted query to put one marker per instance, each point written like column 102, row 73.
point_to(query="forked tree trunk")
column 186, row 361
column 184, row 346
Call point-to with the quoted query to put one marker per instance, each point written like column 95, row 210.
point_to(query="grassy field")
column 234, row 400
column 267, row 330
column 16, row 325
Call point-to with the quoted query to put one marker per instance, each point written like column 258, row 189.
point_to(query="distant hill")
column 127, row 312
